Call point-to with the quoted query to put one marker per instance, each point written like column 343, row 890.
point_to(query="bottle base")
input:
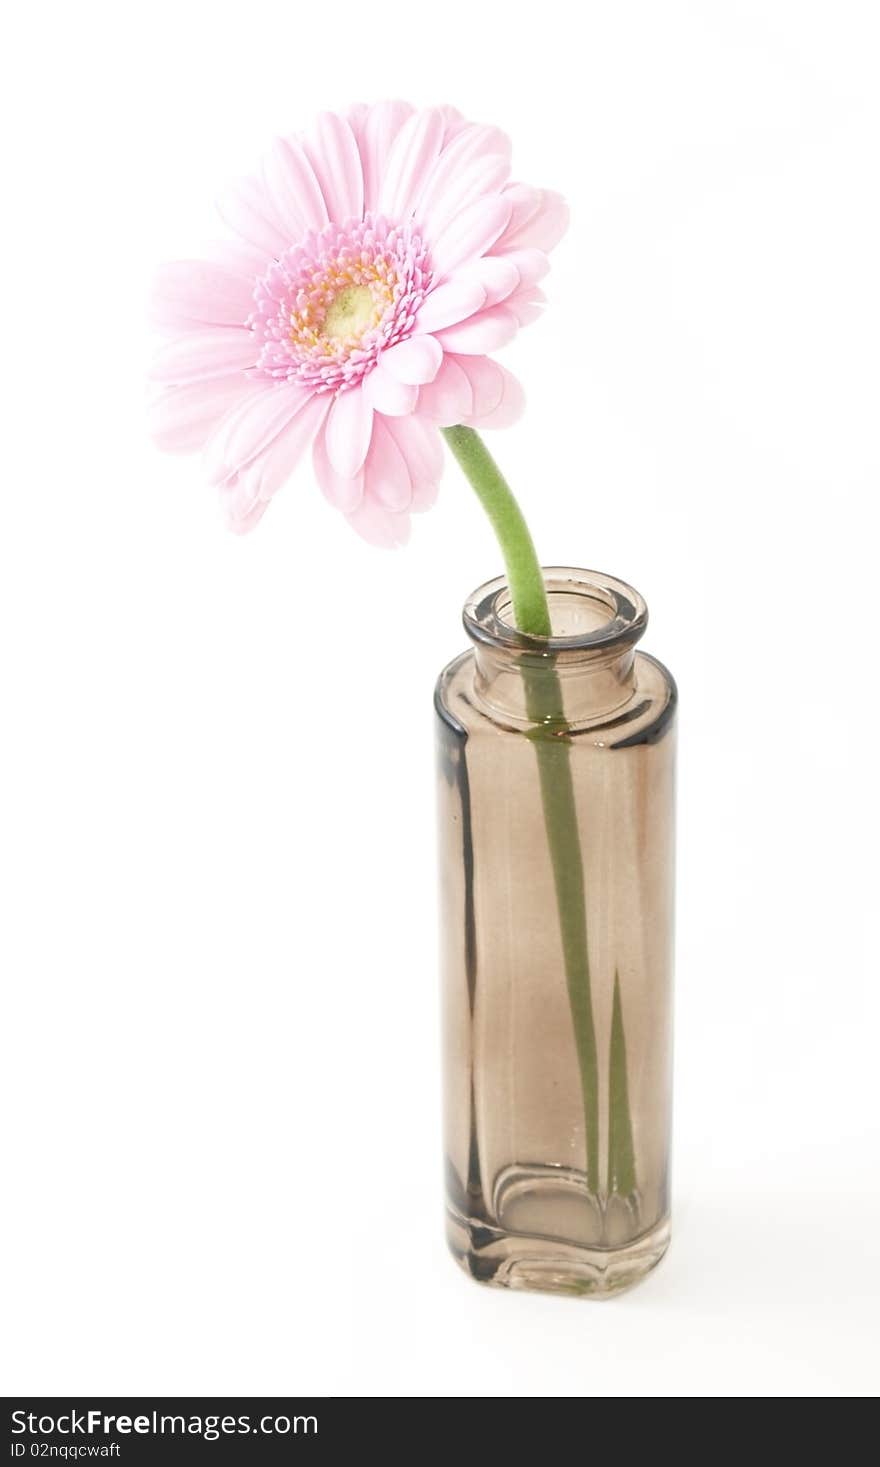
column 506, row 1260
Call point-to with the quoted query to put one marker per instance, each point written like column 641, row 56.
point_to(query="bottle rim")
column 488, row 615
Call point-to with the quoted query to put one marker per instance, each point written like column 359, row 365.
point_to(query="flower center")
column 341, row 303
column 352, row 313
column 327, row 308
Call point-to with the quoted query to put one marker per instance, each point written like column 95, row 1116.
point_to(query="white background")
column 218, row 941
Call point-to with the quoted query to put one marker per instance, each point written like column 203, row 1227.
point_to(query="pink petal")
column 242, row 514
column 388, row 394
column 527, row 304
column 453, row 123
column 475, row 161
column 251, row 427
column 450, row 303
column 538, row 220
column 235, row 255
column 242, row 510
column 449, row 399
column 498, row 276
column 216, row 351
column 273, row 467
column 453, row 188
column 248, row 210
column 421, row 446
column 527, row 312
column 487, row 383
column 386, row 475
column 378, row 527
column 294, row 190
column 486, row 331
column 334, row 156
column 376, row 132
column 344, row 494
column 509, row 409
column 410, row 160
column 532, row 265
column 424, row 496
column 182, row 418
column 416, row 360
column 470, row 235
column 348, row 431
column 199, row 293
column 525, row 202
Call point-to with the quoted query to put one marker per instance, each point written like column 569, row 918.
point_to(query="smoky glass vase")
column 556, row 791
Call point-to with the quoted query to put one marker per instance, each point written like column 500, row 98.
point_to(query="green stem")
column 621, row 1152
column 551, row 738
column 524, row 576
column 552, row 748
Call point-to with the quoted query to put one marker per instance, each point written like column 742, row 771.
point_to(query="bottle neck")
column 529, row 690
column 584, row 674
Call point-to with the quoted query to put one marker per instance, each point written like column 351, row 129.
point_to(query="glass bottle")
column 556, row 760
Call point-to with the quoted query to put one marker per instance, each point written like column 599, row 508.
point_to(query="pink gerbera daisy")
column 379, row 260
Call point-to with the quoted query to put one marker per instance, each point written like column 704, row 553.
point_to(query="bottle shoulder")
column 646, row 716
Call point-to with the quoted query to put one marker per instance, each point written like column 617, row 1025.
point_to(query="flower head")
column 378, row 262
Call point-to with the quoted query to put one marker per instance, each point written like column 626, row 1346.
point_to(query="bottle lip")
column 487, row 614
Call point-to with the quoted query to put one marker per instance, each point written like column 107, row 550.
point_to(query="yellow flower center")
column 342, row 305
column 351, row 313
